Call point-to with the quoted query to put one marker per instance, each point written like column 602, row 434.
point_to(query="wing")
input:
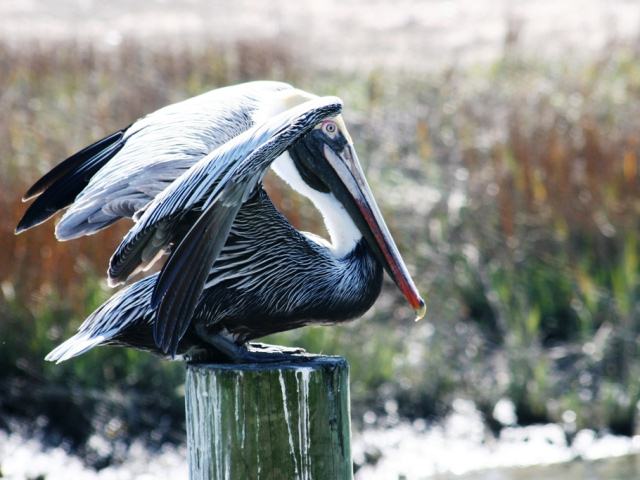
column 121, row 174
column 206, row 200
column 59, row 187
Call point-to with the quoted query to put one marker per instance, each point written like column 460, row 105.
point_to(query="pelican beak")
column 353, row 191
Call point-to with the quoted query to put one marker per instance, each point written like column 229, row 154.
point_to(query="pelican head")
column 323, row 166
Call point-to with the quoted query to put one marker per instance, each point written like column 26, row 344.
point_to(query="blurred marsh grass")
column 512, row 190
column 54, row 99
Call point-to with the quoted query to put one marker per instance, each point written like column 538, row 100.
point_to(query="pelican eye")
column 329, row 128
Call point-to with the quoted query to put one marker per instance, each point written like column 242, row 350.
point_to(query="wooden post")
column 269, row 421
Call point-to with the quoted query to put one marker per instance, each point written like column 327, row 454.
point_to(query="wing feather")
column 60, row 187
column 121, row 174
column 183, row 277
column 214, row 190
column 71, row 164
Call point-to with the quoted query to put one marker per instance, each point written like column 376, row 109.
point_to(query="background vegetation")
column 512, row 191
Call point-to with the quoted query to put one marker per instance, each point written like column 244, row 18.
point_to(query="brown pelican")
column 190, row 175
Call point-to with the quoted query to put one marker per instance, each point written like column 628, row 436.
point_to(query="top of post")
column 291, row 362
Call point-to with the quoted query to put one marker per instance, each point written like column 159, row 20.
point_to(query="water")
column 460, row 447
column 620, row 468
column 22, row 458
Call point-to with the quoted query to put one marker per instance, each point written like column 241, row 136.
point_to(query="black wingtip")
column 168, row 344
column 35, row 215
column 59, row 187
column 158, row 331
column 71, row 163
column 182, row 278
column 35, row 190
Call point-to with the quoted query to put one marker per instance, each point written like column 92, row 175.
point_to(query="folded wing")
column 196, row 212
column 120, row 174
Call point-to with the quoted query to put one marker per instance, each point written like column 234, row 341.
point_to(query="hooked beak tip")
column 421, row 310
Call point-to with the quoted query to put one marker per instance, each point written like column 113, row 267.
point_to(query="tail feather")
column 80, row 343
column 119, row 315
column 60, row 187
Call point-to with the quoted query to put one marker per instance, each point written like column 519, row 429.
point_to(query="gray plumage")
column 263, row 257
column 190, row 176
column 157, row 149
column 214, row 189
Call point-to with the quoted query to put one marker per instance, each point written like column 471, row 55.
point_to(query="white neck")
column 343, row 232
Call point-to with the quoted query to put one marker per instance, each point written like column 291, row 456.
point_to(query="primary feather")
column 204, row 201
column 119, row 175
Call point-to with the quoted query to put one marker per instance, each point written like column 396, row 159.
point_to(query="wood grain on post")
column 275, row 421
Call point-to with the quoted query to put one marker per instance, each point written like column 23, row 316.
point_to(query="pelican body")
column 190, row 176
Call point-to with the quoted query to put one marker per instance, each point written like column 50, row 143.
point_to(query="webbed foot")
column 225, row 350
